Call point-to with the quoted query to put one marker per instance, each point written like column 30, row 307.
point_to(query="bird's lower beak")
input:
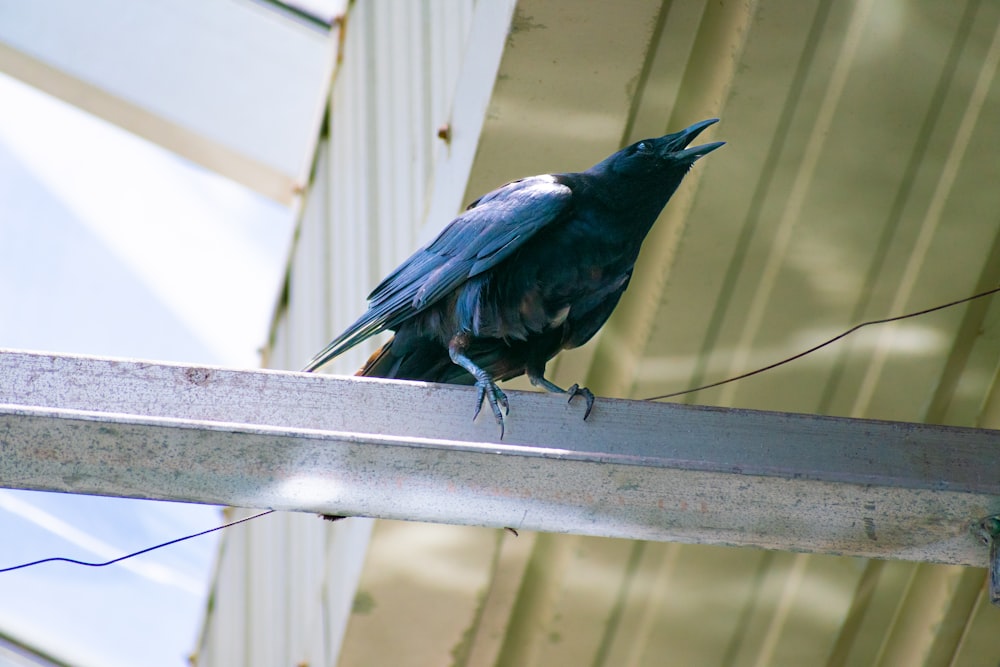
column 696, row 152
column 689, row 134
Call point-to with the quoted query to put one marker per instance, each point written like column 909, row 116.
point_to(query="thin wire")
column 137, row 553
column 827, row 342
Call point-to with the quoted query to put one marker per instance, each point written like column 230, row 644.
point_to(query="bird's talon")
column 502, row 399
column 577, row 390
column 480, row 397
column 489, row 391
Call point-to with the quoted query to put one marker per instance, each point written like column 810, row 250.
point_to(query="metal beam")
column 381, row 448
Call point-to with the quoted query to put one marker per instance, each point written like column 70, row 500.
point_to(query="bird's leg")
column 537, row 378
column 488, row 389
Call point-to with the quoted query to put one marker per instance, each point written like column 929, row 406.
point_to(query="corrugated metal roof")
column 859, row 181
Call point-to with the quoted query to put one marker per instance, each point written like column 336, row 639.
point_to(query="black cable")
column 825, row 343
column 137, row 553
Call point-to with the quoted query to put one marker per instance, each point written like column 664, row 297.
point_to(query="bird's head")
column 666, row 153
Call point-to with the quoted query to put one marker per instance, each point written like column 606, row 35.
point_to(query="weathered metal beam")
column 379, row 448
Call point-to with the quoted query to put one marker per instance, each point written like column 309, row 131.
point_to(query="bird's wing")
column 482, row 237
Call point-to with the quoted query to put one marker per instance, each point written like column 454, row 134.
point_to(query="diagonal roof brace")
column 379, row 448
column 237, row 87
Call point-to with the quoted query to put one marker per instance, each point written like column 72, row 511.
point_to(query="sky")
column 112, row 246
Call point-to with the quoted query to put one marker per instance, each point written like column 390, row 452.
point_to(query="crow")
column 529, row 269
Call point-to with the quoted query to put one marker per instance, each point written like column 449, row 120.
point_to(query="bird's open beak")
column 687, row 135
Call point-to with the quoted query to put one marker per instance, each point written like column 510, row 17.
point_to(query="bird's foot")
column 537, row 379
column 577, row 390
column 489, row 391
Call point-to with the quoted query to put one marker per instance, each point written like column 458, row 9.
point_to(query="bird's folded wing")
column 484, row 236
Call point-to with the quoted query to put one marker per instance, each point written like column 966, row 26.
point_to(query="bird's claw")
column 577, row 390
column 489, row 391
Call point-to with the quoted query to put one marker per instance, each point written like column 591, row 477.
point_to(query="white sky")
column 86, row 207
column 112, row 246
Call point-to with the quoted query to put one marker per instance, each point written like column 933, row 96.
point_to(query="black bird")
column 532, row 268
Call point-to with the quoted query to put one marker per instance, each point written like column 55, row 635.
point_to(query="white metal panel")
column 267, row 569
column 385, row 161
column 227, row 641
column 308, row 287
column 237, row 86
column 374, row 175
column 464, row 124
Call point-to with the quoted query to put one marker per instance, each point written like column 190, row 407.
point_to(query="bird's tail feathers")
column 384, row 312
column 365, row 327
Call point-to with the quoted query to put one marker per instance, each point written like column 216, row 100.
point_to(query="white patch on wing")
column 559, row 317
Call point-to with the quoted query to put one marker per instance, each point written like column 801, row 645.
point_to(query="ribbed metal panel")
column 285, row 584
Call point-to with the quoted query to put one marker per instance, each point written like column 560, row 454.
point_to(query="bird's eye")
column 642, row 147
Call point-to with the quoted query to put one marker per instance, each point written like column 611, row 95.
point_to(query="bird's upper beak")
column 677, row 142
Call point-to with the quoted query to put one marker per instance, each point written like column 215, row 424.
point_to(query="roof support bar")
column 365, row 447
